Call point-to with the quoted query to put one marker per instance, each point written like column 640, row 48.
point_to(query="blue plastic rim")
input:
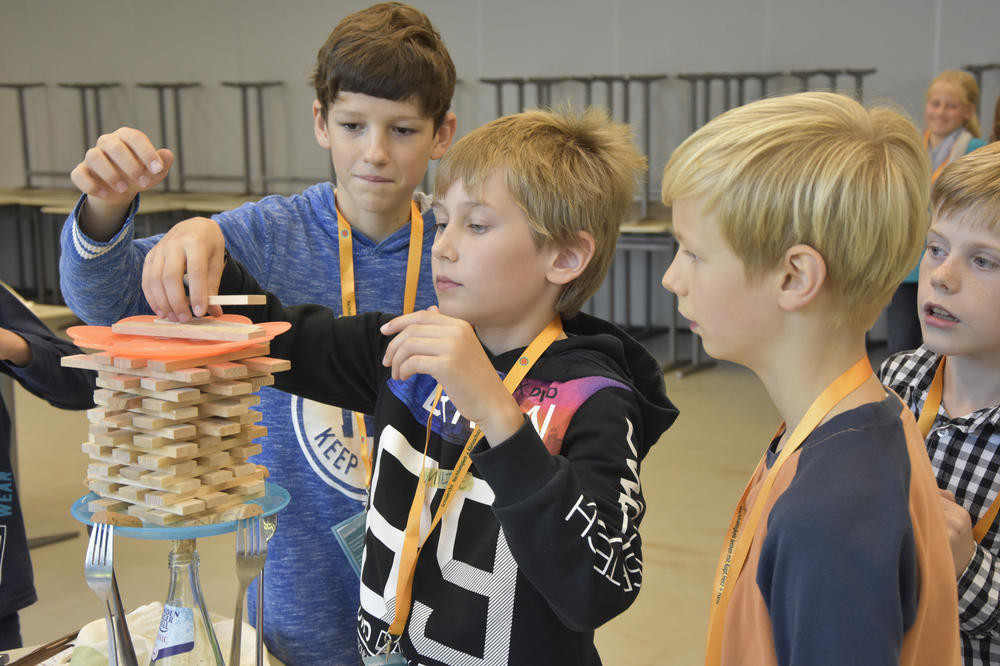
column 275, row 499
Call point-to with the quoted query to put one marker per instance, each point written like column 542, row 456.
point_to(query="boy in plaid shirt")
column 952, row 383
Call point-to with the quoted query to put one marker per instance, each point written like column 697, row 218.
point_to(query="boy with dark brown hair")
column 383, row 83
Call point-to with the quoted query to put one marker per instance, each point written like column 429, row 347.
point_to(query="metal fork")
column 97, row 568
column 100, row 573
column 251, row 551
column 269, row 524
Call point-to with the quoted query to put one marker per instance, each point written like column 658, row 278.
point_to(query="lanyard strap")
column 927, row 145
column 348, row 302
column 932, row 404
column 412, row 543
column 740, row 536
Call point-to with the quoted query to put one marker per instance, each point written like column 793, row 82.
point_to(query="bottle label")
column 176, row 633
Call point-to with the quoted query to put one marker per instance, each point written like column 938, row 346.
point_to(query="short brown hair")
column 568, row 172
column 971, row 184
column 389, row 50
column 817, row 169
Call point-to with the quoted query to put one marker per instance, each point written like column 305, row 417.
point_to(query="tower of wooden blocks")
column 170, row 438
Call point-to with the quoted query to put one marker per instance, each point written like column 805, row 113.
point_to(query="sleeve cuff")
column 87, row 247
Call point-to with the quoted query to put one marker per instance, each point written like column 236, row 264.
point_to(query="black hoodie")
column 542, row 545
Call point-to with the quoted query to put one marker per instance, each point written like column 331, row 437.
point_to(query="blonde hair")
column 970, row 186
column 965, row 85
column 816, row 169
column 568, row 172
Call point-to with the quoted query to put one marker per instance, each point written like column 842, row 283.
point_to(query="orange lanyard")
column 411, row 547
column 348, row 302
column 739, row 535
column 932, row 404
column 927, row 145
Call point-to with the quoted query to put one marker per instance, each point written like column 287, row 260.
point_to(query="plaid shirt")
column 965, row 455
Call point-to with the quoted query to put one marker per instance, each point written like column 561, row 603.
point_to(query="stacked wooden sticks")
column 170, row 438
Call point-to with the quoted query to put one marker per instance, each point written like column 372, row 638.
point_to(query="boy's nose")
column 944, row 276
column 442, row 249
column 670, row 279
column 375, row 151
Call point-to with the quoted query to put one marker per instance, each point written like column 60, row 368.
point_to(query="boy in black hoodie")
column 503, row 414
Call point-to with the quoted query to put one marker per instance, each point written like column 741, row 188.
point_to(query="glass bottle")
column 186, row 636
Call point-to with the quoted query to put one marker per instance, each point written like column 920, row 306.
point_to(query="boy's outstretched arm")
column 31, row 354
column 428, row 342
column 121, row 164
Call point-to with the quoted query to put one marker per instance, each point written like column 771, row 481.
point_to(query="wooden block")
column 171, row 365
column 216, row 460
column 218, row 427
column 171, row 410
column 245, row 451
column 106, row 504
column 249, row 418
column 128, row 363
column 124, row 456
column 84, row 361
column 257, row 382
column 113, row 517
column 247, row 487
column 157, row 384
column 228, row 388
column 216, row 477
column 103, row 487
column 104, row 358
column 186, row 376
column 266, row 364
column 117, row 382
column 113, row 438
column 237, row 299
column 130, row 473
column 184, row 395
column 103, row 469
column 222, row 408
column 179, row 413
column 227, row 370
column 207, row 328
column 96, row 450
column 116, row 399
column 132, row 493
column 242, row 469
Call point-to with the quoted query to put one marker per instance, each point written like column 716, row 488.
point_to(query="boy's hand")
column 195, row 247
column 959, row 524
column 428, row 342
column 122, row 164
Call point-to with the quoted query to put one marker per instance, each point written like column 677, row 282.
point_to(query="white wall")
column 209, row 41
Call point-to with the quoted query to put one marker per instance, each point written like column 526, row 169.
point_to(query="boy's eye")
column 404, row 131
column 935, row 250
column 987, row 263
column 350, row 127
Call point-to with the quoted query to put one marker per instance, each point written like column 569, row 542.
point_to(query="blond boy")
column 957, row 401
column 796, row 217
column 538, row 544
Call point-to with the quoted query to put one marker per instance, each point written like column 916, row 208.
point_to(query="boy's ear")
column 444, row 135
column 319, row 125
column 571, row 260
column 802, row 274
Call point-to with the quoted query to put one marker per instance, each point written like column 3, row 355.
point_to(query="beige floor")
column 691, row 480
